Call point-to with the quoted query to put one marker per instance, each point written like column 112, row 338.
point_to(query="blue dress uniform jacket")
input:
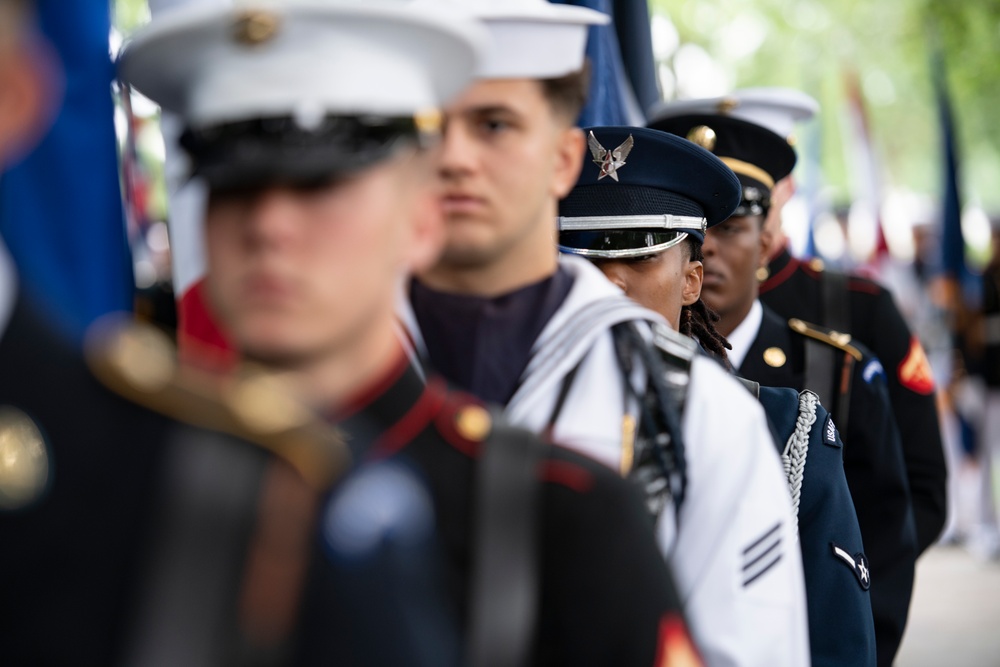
column 841, row 629
column 795, row 289
column 873, row 463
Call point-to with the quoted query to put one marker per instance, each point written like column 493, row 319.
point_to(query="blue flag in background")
column 952, row 240
column 613, row 100
column 635, row 41
column 60, row 207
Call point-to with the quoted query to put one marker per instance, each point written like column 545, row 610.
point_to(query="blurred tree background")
column 708, row 47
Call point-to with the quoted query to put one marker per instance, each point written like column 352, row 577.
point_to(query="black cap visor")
column 619, row 243
column 278, row 151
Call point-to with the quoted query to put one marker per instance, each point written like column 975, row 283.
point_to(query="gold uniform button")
column 473, row 423
column 816, row 264
column 775, row 357
column 24, row 460
column 253, row 27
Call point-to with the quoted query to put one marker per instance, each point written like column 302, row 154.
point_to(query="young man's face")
column 506, row 160
column 663, row 282
column 734, row 250
column 296, row 274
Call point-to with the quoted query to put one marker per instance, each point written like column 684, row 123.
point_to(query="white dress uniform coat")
column 733, row 546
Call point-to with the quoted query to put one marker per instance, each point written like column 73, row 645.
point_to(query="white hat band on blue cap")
column 624, row 253
column 602, row 222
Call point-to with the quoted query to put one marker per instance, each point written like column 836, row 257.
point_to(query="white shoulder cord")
column 797, row 447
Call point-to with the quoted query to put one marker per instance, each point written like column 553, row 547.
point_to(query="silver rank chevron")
column 609, row 161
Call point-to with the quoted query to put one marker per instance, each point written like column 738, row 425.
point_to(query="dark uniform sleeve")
column 873, row 461
column 607, row 595
column 841, row 629
column 991, row 314
column 911, row 391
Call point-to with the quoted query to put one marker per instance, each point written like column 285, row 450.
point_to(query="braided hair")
column 698, row 320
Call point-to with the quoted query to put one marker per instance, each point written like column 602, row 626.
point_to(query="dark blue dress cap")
column 642, row 191
column 758, row 156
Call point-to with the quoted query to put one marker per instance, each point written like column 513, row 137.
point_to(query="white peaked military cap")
column 531, row 39
column 777, row 109
column 301, row 88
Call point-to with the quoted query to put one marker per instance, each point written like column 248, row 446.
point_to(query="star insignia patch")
column 858, row 564
column 609, row 161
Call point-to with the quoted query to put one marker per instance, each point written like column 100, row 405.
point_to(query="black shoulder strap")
column 836, row 314
column 660, row 407
column 820, row 367
column 821, row 360
column 505, row 580
column 821, row 378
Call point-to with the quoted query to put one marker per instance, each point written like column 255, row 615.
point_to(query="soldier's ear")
column 569, row 161
column 427, row 230
column 29, row 85
column 694, row 274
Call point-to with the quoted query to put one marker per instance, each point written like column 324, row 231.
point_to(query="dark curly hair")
column 698, row 320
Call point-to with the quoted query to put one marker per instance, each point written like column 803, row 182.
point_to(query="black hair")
column 698, row 320
column 567, row 94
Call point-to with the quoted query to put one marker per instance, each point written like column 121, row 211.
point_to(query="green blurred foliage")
column 127, row 15
column 814, row 45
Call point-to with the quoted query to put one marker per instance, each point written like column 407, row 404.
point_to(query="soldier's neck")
column 328, row 380
column 530, row 259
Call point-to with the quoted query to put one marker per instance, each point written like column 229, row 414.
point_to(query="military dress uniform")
column 641, row 192
column 872, row 457
column 494, row 567
column 868, row 312
column 126, row 533
column 797, row 354
column 604, row 595
column 837, row 571
column 815, row 476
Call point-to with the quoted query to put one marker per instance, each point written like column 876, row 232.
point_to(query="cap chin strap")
column 624, row 253
column 609, row 222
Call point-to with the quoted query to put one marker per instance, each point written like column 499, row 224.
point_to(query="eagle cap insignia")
column 609, row 161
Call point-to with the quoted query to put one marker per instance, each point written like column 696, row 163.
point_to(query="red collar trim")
column 412, row 423
column 781, row 276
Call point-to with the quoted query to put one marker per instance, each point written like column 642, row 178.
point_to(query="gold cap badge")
column 702, row 135
column 727, row 105
column 253, row 27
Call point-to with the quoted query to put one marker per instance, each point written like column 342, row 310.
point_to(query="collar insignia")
column 609, row 161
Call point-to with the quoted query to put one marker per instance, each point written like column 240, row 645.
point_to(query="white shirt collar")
column 745, row 334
